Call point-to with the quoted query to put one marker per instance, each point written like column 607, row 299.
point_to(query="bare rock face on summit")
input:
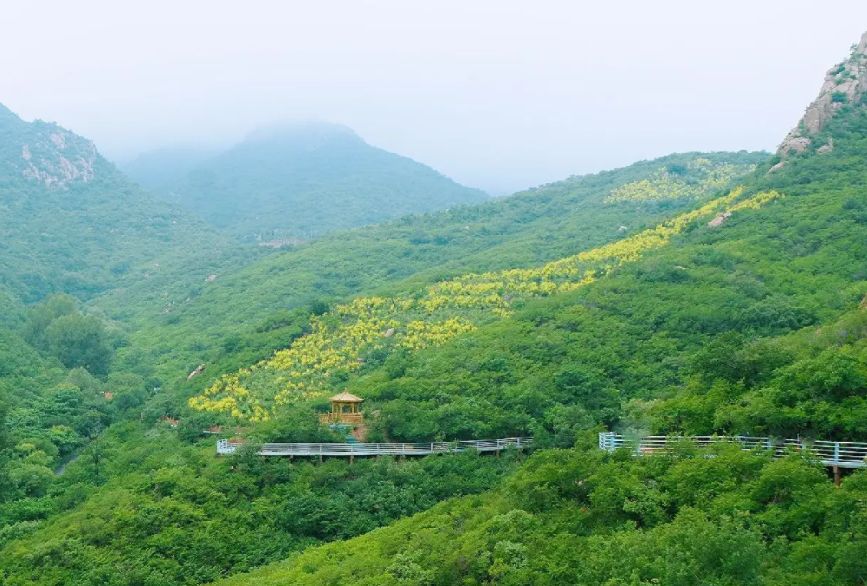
column 845, row 83
column 45, row 153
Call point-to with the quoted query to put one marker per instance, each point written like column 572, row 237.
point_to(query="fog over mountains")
column 292, row 182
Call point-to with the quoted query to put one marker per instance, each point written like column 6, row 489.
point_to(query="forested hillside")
column 624, row 341
column 73, row 227
column 110, row 469
column 369, row 331
column 580, row 517
column 294, row 182
column 249, row 312
column 693, row 294
column 753, row 323
column 72, row 223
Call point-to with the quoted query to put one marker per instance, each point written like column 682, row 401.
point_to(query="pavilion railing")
column 225, row 447
column 840, row 454
column 336, row 417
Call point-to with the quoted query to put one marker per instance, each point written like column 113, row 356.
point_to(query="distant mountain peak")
column 294, row 181
column 307, row 131
column 845, row 83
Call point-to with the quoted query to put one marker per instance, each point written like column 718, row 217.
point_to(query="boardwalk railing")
column 225, row 447
column 838, row 454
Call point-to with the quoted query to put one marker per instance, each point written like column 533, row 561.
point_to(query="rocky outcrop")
column 198, row 370
column 56, row 158
column 827, row 147
column 719, row 220
column 45, row 153
column 844, row 84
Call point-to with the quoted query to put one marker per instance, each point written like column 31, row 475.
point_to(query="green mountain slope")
column 370, row 331
column 180, row 325
column 753, row 323
column 71, row 222
column 107, row 482
column 714, row 310
column 50, row 405
column 636, row 333
column 581, row 517
column 295, row 182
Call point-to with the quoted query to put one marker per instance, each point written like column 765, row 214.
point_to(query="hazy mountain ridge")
column 297, row 181
column 72, row 222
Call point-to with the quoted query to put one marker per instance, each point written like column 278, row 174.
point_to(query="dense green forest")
column 50, row 427
column 755, row 327
column 293, row 182
column 112, row 465
column 580, row 517
column 693, row 294
column 248, row 312
column 73, row 223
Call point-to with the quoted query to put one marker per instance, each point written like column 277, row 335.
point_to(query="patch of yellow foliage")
column 705, row 177
column 340, row 339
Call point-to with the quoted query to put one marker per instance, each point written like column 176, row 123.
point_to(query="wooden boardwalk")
column 350, row 450
column 832, row 454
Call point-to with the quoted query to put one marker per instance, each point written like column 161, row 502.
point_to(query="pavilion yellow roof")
column 345, row 397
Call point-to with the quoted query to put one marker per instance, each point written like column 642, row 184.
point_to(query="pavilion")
column 345, row 408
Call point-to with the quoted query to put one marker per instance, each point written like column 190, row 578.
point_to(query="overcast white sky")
column 498, row 94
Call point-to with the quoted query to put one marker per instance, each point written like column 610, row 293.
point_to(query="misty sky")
column 496, row 94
